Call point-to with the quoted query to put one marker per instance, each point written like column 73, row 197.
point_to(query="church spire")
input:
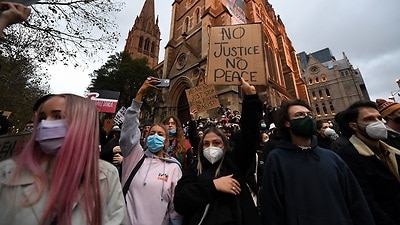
column 147, row 13
column 144, row 37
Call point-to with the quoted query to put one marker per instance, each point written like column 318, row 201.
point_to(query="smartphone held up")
column 163, row 83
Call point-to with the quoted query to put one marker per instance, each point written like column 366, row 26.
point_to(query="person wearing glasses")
column 304, row 183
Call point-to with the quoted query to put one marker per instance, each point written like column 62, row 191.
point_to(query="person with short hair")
column 374, row 163
column 304, row 183
column 323, row 140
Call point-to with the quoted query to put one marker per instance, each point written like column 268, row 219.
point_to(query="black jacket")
column 313, row 187
column 380, row 186
column 193, row 192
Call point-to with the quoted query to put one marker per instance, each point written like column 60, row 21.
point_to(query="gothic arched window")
column 328, row 93
column 140, row 42
column 198, row 16
column 332, row 108
column 152, row 49
column 314, row 96
column 186, row 24
column 147, row 44
column 325, row 111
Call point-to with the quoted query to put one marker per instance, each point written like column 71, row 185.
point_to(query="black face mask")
column 303, row 127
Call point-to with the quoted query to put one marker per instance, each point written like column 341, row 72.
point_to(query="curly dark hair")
column 282, row 115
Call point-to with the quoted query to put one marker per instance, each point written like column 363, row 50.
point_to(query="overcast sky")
column 367, row 31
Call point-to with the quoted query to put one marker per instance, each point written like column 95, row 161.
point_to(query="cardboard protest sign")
column 106, row 101
column 11, row 145
column 120, row 116
column 237, row 10
column 234, row 52
column 202, row 98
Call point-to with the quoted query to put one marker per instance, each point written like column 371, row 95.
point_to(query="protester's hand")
column 148, row 83
column 227, row 184
column 13, row 13
column 117, row 149
column 247, row 88
column 193, row 114
column 117, row 159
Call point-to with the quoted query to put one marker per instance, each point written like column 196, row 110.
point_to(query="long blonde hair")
column 200, row 155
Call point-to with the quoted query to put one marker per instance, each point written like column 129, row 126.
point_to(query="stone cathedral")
column 185, row 59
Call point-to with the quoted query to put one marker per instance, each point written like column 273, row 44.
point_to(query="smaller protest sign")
column 11, row 145
column 202, row 98
column 120, row 116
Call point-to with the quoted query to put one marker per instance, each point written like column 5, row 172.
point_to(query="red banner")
column 105, row 101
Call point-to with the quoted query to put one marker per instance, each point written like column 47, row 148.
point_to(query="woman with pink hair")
column 58, row 178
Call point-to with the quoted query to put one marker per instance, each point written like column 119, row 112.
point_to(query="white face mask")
column 331, row 133
column 213, row 154
column 376, row 130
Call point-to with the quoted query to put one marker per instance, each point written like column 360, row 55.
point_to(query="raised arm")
column 130, row 132
column 11, row 13
column 246, row 143
column 193, row 137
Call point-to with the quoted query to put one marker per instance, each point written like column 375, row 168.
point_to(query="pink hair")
column 75, row 165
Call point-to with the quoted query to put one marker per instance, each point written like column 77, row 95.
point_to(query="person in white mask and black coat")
column 213, row 189
column 374, row 163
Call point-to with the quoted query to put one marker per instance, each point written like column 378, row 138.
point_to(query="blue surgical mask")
column 50, row 135
column 172, row 132
column 155, row 143
column 263, row 126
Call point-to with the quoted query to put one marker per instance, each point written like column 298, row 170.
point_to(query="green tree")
column 21, row 84
column 126, row 75
column 66, row 30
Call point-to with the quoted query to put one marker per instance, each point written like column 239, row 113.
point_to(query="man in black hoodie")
column 306, row 184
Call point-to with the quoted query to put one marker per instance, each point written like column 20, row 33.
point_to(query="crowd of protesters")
column 262, row 165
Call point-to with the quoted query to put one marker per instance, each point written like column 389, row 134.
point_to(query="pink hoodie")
column 151, row 192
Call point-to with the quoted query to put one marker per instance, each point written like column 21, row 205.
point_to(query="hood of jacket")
column 165, row 159
column 287, row 145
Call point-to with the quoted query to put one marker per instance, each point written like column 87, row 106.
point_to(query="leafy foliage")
column 21, row 84
column 124, row 74
column 67, row 30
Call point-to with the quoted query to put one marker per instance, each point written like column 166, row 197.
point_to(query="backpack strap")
column 134, row 171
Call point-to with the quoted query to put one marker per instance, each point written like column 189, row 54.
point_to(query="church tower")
column 144, row 37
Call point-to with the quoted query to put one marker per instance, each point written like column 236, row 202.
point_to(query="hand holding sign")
column 247, row 88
